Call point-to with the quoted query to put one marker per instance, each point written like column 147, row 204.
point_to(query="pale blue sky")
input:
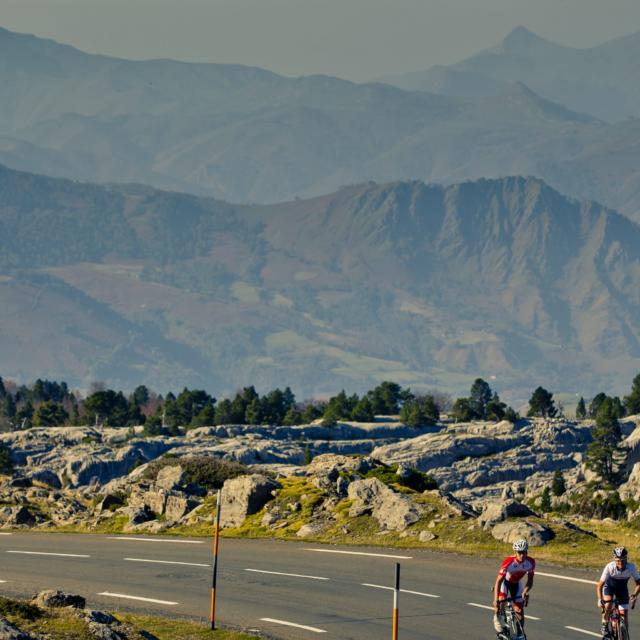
column 355, row 39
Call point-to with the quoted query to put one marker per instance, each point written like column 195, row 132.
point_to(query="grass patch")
column 169, row 629
column 64, row 624
column 18, row 609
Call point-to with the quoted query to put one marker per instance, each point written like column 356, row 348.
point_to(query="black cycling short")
column 617, row 588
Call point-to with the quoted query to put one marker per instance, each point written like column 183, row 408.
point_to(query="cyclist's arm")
column 528, row 586
column 599, row 587
column 496, row 591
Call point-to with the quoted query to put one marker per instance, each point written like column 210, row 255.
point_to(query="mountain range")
column 602, row 81
column 430, row 286
column 247, row 135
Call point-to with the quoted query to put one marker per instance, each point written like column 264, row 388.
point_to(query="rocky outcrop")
column 170, row 477
column 535, row 533
column 54, row 599
column 393, row 511
column 244, row 496
column 9, row 631
column 500, row 510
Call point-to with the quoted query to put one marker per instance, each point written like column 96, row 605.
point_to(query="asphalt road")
column 330, row 589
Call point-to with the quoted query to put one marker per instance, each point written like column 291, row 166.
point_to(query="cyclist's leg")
column 518, row 602
column 622, row 594
column 608, row 591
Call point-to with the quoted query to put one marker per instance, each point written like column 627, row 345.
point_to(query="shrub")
column 416, row 480
column 6, row 466
column 592, row 505
column 208, row 472
column 19, row 609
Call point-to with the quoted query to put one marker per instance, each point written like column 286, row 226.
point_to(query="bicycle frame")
column 614, row 618
column 514, row 626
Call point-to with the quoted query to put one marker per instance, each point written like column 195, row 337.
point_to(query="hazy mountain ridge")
column 600, row 80
column 427, row 285
column 248, row 135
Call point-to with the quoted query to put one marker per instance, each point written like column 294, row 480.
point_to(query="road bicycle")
column 513, row 627
column 616, row 624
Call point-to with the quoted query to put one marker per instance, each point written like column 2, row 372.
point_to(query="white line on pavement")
column 188, row 564
column 46, row 553
column 555, row 575
column 293, row 575
column 415, row 593
column 293, row 624
column 3, row 581
column 361, row 553
column 127, row 597
column 486, row 606
column 4, row 533
column 589, row 633
column 155, row 540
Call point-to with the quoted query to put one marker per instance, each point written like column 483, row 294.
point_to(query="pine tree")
column 545, row 503
column 604, row 453
column 363, row 411
column 632, row 401
column 461, row 411
column 541, row 404
column 581, row 409
column 479, row 398
column 50, row 414
column 308, row 456
column 558, row 486
column 496, row 409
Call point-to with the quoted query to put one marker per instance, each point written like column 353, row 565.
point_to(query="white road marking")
column 46, row 553
column 293, row 624
column 4, row 533
column 486, row 606
column 361, row 553
column 141, row 599
column 155, row 540
column 415, row 593
column 293, row 575
column 188, row 564
column 480, row 606
column 555, row 575
column 3, row 581
column 589, row 633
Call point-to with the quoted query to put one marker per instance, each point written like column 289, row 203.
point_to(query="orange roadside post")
column 396, row 597
column 212, row 614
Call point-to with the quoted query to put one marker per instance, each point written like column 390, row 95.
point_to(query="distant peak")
column 522, row 37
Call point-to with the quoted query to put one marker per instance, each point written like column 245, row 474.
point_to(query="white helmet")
column 520, row 545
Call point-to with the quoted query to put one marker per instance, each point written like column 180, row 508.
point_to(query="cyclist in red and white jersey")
column 509, row 582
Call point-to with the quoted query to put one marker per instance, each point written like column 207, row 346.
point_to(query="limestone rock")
column 501, row 510
column 170, row 477
column 427, row 536
column 536, row 534
column 392, row 510
column 136, row 515
column 48, row 477
column 53, row 598
column 177, row 506
column 244, row 496
column 11, row 632
column 22, row 516
column 109, row 502
column 309, row 530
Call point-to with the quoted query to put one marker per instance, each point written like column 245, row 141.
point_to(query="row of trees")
column 49, row 403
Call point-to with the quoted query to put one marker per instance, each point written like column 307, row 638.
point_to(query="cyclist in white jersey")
column 613, row 582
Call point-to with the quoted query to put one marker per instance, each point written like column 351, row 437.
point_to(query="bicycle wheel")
column 623, row 633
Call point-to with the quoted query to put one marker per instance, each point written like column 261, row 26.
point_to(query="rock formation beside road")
column 489, row 473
